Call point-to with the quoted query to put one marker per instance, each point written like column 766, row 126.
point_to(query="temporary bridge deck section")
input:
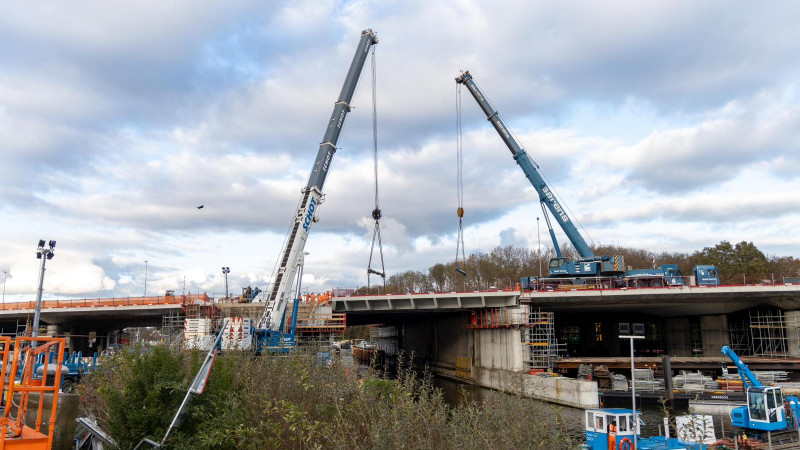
column 668, row 301
column 60, row 311
column 449, row 301
column 664, row 301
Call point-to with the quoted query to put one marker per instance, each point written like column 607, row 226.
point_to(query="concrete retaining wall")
column 560, row 390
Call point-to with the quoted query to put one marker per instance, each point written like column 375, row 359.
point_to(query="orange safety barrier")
column 14, row 433
column 106, row 302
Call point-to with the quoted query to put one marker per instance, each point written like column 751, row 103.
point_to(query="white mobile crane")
column 269, row 331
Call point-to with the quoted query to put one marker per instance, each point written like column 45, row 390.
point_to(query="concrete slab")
column 674, row 301
column 452, row 301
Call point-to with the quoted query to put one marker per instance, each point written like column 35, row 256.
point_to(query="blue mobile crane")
column 767, row 409
column 600, row 271
column 269, row 333
column 590, row 270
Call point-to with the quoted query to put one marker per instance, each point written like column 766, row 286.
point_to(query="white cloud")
column 657, row 130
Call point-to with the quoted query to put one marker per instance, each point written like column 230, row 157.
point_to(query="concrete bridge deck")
column 429, row 302
column 134, row 309
column 670, row 301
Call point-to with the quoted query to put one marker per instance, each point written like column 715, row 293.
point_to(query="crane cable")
column 460, row 264
column 376, row 213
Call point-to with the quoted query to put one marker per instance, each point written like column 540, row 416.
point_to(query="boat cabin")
column 610, row 429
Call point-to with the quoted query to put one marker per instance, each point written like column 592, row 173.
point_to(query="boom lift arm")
column 748, row 377
column 281, row 288
column 546, row 196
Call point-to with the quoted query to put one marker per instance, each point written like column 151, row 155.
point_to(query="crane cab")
column 764, row 410
column 706, row 275
column 610, row 429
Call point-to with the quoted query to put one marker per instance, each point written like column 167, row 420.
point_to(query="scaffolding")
column 540, row 347
column 740, row 338
column 317, row 326
column 172, row 328
column 768, row 333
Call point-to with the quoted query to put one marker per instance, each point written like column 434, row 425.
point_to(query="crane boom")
column 280, row 291
column 546, row 195
column 748, row 377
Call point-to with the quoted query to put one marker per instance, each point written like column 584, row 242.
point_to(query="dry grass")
column 294, row 402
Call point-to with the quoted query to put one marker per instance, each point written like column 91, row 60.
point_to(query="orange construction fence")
column 95, row 302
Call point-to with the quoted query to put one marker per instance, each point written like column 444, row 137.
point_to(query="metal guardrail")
column 106, row 302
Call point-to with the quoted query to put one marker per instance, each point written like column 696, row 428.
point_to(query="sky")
column 667, row 126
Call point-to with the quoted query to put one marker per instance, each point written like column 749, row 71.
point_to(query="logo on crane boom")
column 312, row 205
column 554, row 202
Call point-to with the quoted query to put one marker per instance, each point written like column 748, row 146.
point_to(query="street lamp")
column 43, row 253
column 5, row 276
column 145, row 278
column 226, row 271
column 633, row 391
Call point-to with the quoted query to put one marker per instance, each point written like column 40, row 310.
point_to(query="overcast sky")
column 662, row 125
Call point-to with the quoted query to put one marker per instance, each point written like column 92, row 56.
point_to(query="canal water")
column 652, row 415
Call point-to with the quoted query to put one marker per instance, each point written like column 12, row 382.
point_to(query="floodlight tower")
column 226, row 271
column 43, row 253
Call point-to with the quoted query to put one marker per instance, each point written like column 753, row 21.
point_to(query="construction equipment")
column 767, row 409
column 22, row 390
column 603, row 271
column 670, row 275
column 269, row 332
column 590, row 270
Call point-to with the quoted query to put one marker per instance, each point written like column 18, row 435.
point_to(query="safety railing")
column 323, row 322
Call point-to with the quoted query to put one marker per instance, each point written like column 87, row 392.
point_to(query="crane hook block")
column 460, row 212
column 376, row 214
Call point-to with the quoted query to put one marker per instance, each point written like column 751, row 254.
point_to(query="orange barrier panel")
column 108, row 302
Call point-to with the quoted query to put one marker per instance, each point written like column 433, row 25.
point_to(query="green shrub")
column 293, row 402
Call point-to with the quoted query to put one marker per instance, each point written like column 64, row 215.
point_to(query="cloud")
column 655, row 128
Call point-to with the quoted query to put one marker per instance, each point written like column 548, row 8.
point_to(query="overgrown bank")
column 293, row 402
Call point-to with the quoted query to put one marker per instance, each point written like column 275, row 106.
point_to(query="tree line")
column 504, row 266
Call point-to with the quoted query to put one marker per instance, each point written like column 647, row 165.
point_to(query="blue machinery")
column 767, row 409
column 614, row 429
column 588, row 265
column 269, row 333
column 603, row 271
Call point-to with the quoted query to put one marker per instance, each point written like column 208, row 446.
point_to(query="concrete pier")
column 490, row 358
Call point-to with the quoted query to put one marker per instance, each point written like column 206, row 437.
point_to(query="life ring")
column 625, row 444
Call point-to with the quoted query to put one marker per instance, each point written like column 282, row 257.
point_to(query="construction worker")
column 612, row 433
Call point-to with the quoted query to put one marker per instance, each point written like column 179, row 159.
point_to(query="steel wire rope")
column 460, row 186
column 546, row 179
column 376, row 213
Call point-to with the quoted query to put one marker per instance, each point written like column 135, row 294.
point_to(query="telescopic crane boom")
column 278, row 296
column 546, row 196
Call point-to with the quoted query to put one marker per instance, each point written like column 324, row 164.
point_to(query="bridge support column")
column 793, row 332
column 715, row 334
column 677, row 334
